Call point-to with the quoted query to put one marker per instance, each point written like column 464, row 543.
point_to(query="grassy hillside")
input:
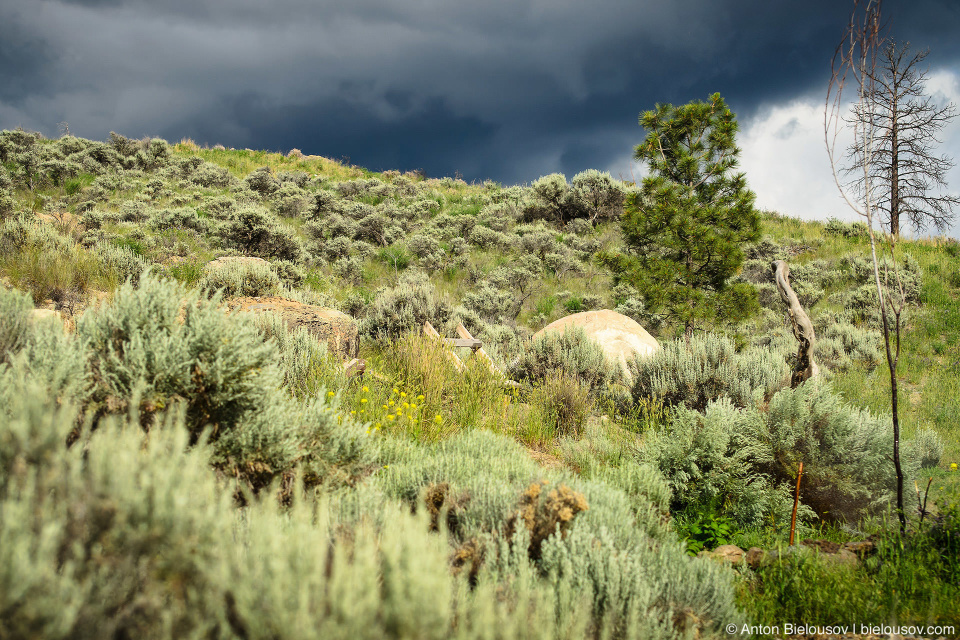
column 568, row 505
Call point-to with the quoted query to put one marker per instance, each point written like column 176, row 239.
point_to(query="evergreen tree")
column 685, row 228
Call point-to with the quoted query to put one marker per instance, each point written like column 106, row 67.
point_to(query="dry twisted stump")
column 805, row 367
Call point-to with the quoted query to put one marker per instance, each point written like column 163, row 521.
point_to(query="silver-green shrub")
column 240, row 278
column 707, row 369
column 263, row 181
column 254, row 230
column 845, row 451
column 601, row 195
column 399, row 310
column 852, row 344
column 303, row 358
column 15, row 310
column 161, row 344
column 121, row 261
column 926, row 448
column 570, row 352
column 709, row 462
column 183, row 218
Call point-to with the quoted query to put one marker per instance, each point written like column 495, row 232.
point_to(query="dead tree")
column 855, row 61
column 905, row 172
column 805, row 367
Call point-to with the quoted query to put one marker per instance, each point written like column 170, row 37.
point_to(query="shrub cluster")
column 569, row 353
column 742, row 462
column 240, row 277
column 707, row 369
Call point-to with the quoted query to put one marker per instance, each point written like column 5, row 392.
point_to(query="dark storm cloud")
column 505, row 90
column 25, row 58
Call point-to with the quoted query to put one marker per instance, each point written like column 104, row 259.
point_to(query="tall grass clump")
column 306, row 365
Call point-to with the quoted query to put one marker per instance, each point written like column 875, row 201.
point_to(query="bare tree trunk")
column 805, row 367
column 857, row 56
column 894, row 176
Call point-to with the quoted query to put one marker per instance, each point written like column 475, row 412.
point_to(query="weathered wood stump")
column 805, row 367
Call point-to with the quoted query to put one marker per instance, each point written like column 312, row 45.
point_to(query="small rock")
column 727, row 553
column 756, row 557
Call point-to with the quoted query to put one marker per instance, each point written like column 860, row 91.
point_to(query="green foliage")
column 14, row 321
column 854, row 229
column 564, row 401
column 240, row 277
column 404, row 308
column 909, row 581
column 686, row 228
column 706, row 531
column 569, row 352
column 254, row 230
column 707, row 369
column 708, row 462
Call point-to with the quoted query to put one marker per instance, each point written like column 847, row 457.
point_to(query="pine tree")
column 685, row 228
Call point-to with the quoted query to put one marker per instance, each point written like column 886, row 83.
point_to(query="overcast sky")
column 505, row 90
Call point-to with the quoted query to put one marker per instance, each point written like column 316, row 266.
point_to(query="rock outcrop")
column 621, row 337
column 337, row 329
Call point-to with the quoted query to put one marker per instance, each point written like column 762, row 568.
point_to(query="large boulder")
column 337, row 329
column 621, row 337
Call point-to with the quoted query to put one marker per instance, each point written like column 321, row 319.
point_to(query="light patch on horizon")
column 785, row 159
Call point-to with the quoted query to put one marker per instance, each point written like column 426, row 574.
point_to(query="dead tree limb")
column 805, row 367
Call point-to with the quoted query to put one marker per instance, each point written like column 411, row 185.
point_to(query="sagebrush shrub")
column 183, row 218
column 14, row 321
column 710, row 466
column 845, row 451
column 254, row 230
column 157, row 343
column 570, row 352
column 121, row 261
column 707, row 369
column 601, row 195
column 399, row 310
column 240, row 278
column 211, row 175
column 263, row 181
